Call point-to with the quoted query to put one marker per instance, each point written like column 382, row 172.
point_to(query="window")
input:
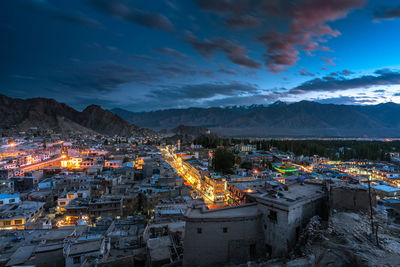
column 1, row 202
column 77, row 260
column 273, row 216
column 79, row 194
column 17, row 221
column 225, row 229
column 199, row 230
column 7, row 222
column 62, row 203
column 11, row 200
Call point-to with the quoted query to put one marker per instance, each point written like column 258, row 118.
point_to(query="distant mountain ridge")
column 301, row 119
column 22, row 114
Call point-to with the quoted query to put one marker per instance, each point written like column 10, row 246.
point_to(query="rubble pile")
column 346, row 240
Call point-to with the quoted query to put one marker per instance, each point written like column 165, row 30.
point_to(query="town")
column 94, row 200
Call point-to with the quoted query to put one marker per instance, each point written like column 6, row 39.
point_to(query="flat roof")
column 295, row 194
column 8, row 196
column 386, row 188
column 247, row 210
column 83, row 247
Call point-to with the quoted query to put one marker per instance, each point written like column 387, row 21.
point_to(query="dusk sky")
column 149, row 55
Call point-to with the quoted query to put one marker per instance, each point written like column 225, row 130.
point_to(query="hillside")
column 20, row 114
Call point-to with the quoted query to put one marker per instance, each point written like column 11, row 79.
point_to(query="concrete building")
column 268, row 226
column 14, row 216
column 213, row 237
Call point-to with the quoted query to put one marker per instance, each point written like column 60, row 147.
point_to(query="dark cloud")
column 243, row 21
column 346, row 72
column 172, row 71
column 125, row 10
column 388, row 13
column 142, row 57
column 305, row 72
column 171, row 52
column 223, row 6
column 203, row 91
column 46, row 8
column 235, row 53
column 379, row 91
column 101, row 77
column 307, row 30
column 238, row 14
column 227, row 71
column 331, row 84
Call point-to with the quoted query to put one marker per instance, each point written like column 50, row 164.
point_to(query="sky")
column 161, row 54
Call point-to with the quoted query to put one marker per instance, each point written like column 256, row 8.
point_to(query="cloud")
column 257, row 99
column 126, row 11
column 388, row 13
column 346, row 72
column 223, row 6
column 142, row 57
column 238, row 14
column 307, row 30
column 227, row 71
column 202, row 91
column 172, row 71
column 45, row 7
column 331, row 84
column 347, row 100
column 328, row 61
column 243, row 21
column 102, row 77
column 305, row 72
column 235, row 53
column 171, row 52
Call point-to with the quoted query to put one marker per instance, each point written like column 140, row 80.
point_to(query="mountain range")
column 23, row 114
column 300, row 119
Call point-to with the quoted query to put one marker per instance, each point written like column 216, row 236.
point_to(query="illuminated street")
column 214, row 190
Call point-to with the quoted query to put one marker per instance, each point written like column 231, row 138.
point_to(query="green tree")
column 223, row 161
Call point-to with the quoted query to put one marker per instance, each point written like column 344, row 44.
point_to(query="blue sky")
column 149, row 55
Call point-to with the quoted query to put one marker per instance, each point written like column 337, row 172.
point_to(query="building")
column 14, row 216
column 113, row 164
column 226, row 235
column 9, row 199
column 269, row 225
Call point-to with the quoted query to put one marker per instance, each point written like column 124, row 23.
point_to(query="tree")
column 223, row 161
column 246, row 165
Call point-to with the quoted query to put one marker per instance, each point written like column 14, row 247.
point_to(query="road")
column 193, row 177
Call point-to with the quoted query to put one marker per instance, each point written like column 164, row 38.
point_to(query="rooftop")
column 295, row 194
column 236, row 212
column 20, row 210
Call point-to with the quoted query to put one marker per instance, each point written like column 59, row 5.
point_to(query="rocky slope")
column 19, row 114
